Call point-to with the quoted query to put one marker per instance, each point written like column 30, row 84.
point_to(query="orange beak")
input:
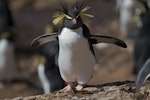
column 74, row 20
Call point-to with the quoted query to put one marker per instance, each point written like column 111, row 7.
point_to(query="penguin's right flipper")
column 44, row 39
column 143, row 75
column 107, row 39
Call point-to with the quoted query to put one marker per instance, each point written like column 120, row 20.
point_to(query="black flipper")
column 107, row 39
column 44, row 39
column 143, row 75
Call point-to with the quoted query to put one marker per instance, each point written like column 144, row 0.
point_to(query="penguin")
column 7, row 37
column 124, row 8
column 142, row 44
column 47, row 69
column 76, row 57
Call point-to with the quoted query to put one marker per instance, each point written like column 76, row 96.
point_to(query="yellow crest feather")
column 85, row 14
column 59, row 16
column 85, row 9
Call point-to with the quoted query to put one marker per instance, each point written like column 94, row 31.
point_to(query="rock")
column 110, row 91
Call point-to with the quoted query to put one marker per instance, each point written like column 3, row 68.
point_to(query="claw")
column 79, row 87
column 68, row 88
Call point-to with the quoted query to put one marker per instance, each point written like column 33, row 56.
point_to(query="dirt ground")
column 31, row 17
column 111, row 91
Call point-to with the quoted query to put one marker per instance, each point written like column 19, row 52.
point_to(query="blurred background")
column 31, row 19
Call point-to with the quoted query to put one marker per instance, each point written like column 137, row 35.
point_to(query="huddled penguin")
column 75, row 55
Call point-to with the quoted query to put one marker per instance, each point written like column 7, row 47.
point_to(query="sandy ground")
column 115, row 63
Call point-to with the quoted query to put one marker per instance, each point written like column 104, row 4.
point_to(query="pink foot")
column 67, row 88
column 79, row 87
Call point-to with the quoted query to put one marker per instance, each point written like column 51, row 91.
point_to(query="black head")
column 71, row 17
column 142, row 11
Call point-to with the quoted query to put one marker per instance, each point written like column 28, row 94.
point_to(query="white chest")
column 74, row 52
column 70, row 38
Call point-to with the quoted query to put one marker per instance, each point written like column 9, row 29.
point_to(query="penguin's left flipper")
column 143, row 75
column 44, row 39
column 107, row 39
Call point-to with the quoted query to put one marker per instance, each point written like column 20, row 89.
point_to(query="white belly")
column 75, row 58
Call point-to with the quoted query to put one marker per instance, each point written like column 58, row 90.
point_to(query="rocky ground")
column 111, row 91
column 114, row 63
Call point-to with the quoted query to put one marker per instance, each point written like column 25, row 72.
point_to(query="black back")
column 50, row 50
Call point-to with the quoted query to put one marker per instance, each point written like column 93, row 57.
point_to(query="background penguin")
column 142, row 45
column 76, row 58
column 48, row 71
column 8, row 69
column 124, row 8
column 6, row 25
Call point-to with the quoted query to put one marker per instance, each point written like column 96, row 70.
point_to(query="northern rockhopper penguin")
column 8, row 67
column 76, row 58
